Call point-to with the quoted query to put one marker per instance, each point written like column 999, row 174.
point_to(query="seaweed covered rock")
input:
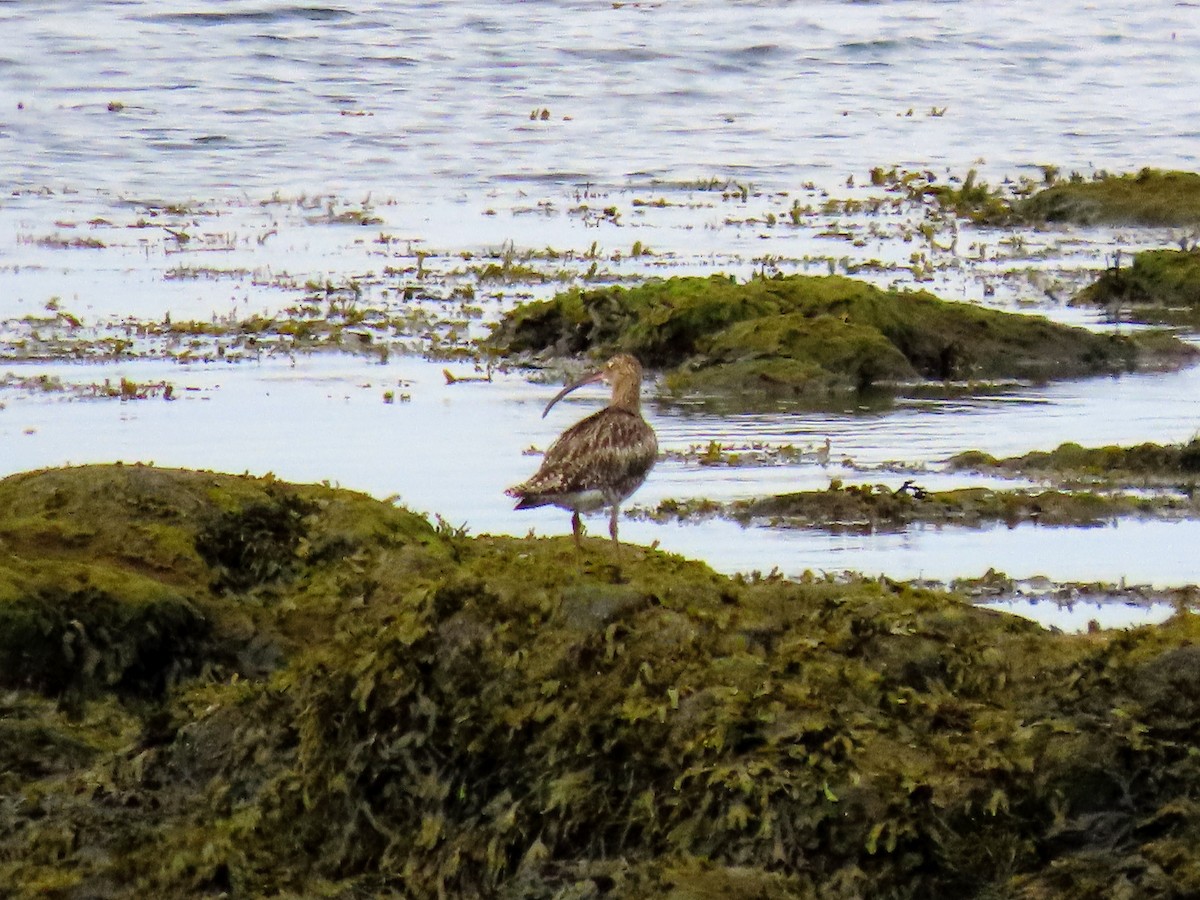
column 866, row 508
column 799, row 353
column 1148, row 197
column 1161, row 286
column 1146, row 463
column 807, row 337
column 110, row 576
column 494, row 717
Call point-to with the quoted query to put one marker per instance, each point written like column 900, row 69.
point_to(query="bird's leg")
column 577, row 529
column 612, row 530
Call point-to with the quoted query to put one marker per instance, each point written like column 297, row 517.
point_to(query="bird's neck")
column 628, row 396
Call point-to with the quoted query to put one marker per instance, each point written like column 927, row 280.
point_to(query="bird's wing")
column 593, row 454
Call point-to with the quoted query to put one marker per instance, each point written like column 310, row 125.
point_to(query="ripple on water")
column 248, row 16
column 829, row 91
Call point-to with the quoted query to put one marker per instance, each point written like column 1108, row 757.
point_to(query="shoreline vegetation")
column 808, row 338
column 1141, row 465
column 1159, row 287
column 218, row 684
column 868, row 508
column 1149, row 198
column 234, row 686
column 1087, row 487
column 436, row 302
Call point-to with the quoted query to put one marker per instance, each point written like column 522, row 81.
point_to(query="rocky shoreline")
column 228, row 685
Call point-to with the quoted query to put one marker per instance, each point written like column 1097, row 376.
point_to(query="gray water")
column 421, row 112
column 423, row 98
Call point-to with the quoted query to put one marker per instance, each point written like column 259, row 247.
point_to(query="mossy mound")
column 1149, row 197
column 494, row 717
column 867, row 508
column 1161, row 286
column 111, row 578
column 804, row 336
column 801, row 353
column 1143, row 463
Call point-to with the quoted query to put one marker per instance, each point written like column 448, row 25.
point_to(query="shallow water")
column 260, row 121
column 1081, row 616
column 324, row 418
column 411, row 98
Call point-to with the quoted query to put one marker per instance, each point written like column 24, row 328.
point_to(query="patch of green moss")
column 1160, row 286
column 797, row 354
column 76, row 630
column 1149, row 197
column 866, row 508
column 789, row 334
column 110, row 576
column 1144, row 463
column 495, row 717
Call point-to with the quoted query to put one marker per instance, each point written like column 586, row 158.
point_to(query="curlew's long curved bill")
column 590, row 378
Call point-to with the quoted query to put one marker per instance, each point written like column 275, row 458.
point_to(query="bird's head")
column 623, row 372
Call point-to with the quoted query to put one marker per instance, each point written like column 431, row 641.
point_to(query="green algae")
column 109, row 575
column 495, row 717
column 972, row 199
column 867, row 508
column 1146, row 463
column 1161, row 286
column 805, row 336
column 1151, row 197
column 802, row 354
column 75, row 631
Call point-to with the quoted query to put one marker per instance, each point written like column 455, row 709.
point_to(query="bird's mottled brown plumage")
column 600, row 460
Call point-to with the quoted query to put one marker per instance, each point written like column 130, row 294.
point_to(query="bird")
column 823, row 453
column 600, row 460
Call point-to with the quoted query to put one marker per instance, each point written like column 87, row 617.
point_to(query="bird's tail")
column 524, row 500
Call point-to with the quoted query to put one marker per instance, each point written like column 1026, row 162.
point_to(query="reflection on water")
column 1126, row 409
column 1139, row 552
column 1081, row 616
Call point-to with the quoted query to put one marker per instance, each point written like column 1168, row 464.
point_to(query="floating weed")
column 715, row 453
column 126, row 389
column 333, row 216
column 184, row 272
column 656, row 203
column 869, row 508
column 973, row 200
column 58, row 242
